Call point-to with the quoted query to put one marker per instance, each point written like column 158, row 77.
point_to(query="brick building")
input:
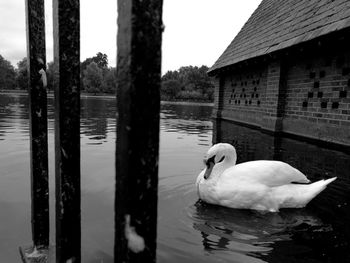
column 288, row 70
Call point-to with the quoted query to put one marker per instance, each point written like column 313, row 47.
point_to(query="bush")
column 93, row 78
column 187, row 83
column 170, row 89
column 190, row 95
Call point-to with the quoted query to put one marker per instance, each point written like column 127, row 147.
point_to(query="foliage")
column 52, row 75
column 100, row 59
column 170, row 88
column 109, row 84
column 190, row 95
column 93, row 78
column 187, row 83
column 98, row 78
column 22, row 74
column 8, row 74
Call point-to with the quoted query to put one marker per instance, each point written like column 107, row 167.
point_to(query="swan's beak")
column 210, row 164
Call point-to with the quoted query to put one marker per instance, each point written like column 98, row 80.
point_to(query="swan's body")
column 258, row 185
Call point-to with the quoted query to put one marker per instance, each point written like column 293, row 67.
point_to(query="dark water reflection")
column 317, row 233
column 188, row 230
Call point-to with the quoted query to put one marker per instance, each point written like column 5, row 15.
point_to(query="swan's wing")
column 269, row 173
column 242, row 194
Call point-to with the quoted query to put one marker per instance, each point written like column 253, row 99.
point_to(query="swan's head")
column 219, row 153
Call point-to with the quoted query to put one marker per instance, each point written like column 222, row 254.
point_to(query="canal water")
column 188, row 230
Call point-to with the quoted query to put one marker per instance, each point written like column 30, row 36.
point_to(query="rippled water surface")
column 188, row 230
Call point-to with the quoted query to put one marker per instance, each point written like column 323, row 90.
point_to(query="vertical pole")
column 67, row 130
column 36, row 59
column 138, row 74
column 217, row 130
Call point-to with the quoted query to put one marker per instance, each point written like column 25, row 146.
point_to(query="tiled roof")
column 278, row 24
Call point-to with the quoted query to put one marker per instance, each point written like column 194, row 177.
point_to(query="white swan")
column 258, row 185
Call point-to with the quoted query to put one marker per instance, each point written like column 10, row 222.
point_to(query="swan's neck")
column 219, row 168
column 230, row 160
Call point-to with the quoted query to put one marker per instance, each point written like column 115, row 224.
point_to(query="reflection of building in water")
column 252, row 144
column 292, row 235
column 288, row 70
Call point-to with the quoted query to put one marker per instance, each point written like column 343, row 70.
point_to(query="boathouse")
column 288, row 70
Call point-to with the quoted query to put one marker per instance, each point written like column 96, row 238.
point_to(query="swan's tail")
column 317, row 187
column 299, row 195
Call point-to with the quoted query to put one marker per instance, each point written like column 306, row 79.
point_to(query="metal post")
column 36, row 59
column 67, row 130
column 138, row 73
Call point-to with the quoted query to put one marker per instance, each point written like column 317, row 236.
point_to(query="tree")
column 93, row 78
column 100, row 59
column 110, row 81
column 52, row 75
column 22, row 74
column 171, row 75
column 170, row 89
column 8, row 74
column 187, row 83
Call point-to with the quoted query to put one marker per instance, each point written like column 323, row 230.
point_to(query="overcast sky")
column 196, row 31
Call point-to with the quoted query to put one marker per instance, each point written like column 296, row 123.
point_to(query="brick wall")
column 217, row 94
column 317, row 98
column 244, row 95
column 272, row 119
column 306, row 95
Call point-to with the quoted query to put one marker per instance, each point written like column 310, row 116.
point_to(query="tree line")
column 187, row 83
column 96, row 76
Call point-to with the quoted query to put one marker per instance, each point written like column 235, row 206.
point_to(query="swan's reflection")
column 251, row 233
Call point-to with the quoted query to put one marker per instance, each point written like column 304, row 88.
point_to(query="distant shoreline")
column 51, row 94
column 104, row 96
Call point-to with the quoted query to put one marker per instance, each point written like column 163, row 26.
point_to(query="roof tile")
column 277, row 24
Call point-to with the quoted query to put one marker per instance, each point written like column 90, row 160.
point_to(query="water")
column 188, row 230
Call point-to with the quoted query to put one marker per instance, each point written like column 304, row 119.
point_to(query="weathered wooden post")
column 138, row 71
column 67, row 130
column 36, row 59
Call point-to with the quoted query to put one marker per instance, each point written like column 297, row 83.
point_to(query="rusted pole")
column 36, row 59
column 138, row 73
column 67, row 130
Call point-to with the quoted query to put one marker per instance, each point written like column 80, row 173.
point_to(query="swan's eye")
column 222, row 158
column 210, row 160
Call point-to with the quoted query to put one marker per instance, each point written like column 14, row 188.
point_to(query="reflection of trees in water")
column 98, row 108
column 13, row 109
column 187, row 112
column 316, row 162
column 185, row 126
column 189, row 119
column 95, row 128
column 94, row 117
